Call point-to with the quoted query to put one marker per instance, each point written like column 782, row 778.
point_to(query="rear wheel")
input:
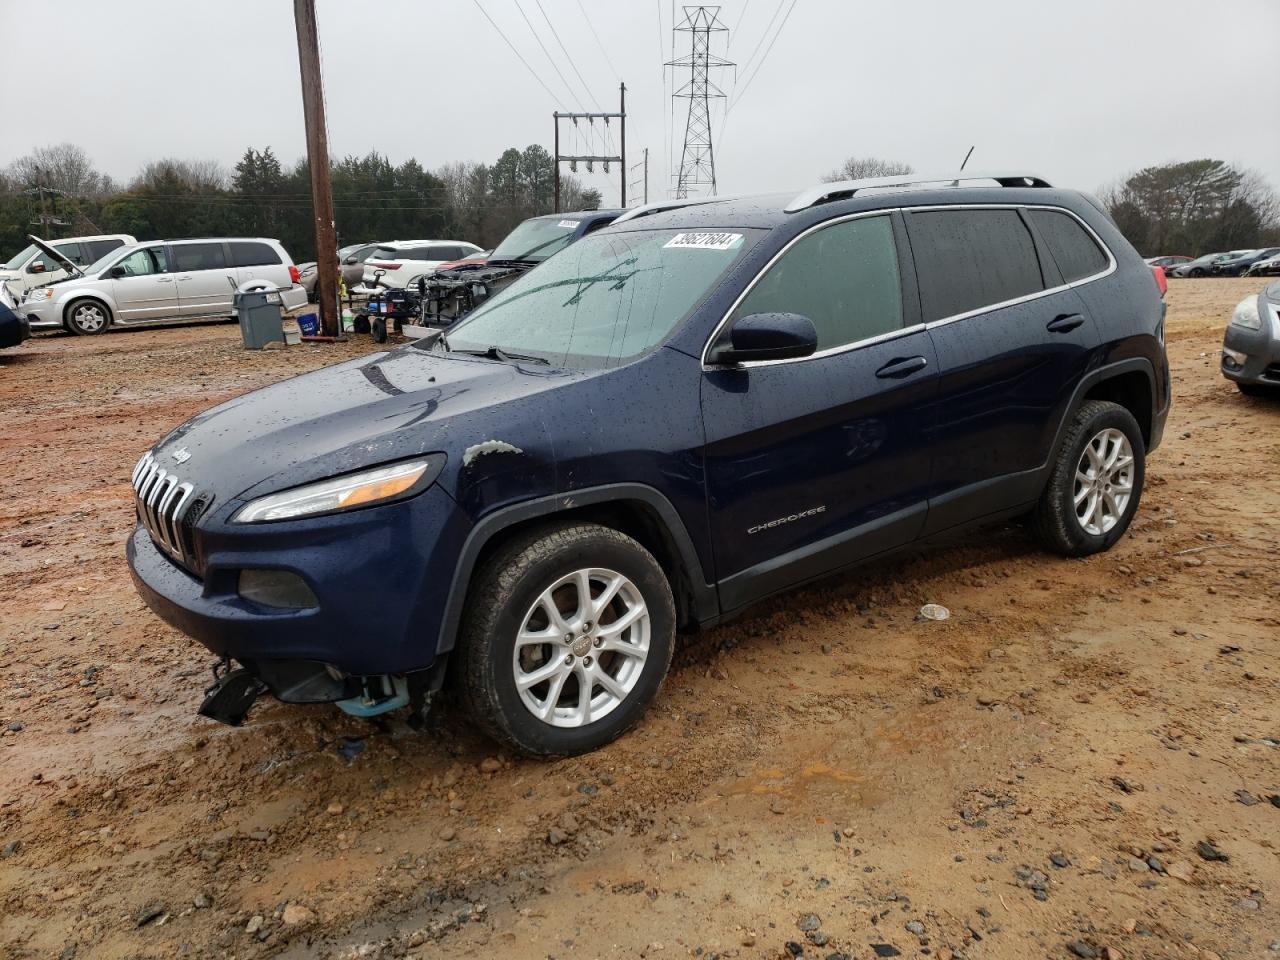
column 87, row 317
column 569, row 637
column 1096, row 483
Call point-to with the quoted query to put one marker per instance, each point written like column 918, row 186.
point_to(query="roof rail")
column 661, row 206
column 843, row 189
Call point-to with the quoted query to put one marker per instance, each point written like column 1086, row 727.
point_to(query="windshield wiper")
column 497, row 353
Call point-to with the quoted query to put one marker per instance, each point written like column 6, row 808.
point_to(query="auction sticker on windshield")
column 567, row 224
column 706, row 241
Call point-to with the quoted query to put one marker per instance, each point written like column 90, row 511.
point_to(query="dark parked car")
column 13, row 327
column 1201, row 266
column 1238, row 265
column 696, row 408
column 1251, row 346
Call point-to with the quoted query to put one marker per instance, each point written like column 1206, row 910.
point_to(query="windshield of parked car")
column 605, row 300
column 17, row 262
column 536, row 239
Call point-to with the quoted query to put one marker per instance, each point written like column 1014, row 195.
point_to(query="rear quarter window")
column 249, row 254
column 1076, row 253
column 970, row 259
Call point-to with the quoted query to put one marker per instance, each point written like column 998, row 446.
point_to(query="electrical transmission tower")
column 697, row 159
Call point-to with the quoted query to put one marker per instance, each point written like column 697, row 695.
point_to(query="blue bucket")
column 309, row 324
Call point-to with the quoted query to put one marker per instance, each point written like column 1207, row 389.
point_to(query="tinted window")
column 97, row 249
column 844, row 278
column 967, row 259
column 198, row 256
column 444, row 253
column 1076, row 253
column 144, row 262
column 245, row 254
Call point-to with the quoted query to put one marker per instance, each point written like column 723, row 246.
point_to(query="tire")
column 509, row 597
column 1195, row 272
column 87, row 317
column 1111, row 432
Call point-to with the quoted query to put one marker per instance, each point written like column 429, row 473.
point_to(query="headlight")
column 1246, row 314
column 344, row 493
column 39, row 294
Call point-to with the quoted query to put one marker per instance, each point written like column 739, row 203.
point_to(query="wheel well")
column 66, row 311
column 1132, row 391
column 634, row 518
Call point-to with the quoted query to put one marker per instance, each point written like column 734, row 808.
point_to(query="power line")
column 550, row 59
column 747, row 83
column 555, row 33
column 515, row 51
column 741, row 19
column 591, row 27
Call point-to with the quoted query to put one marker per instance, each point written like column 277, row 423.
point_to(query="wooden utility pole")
column 620, row 159
column 304, row 17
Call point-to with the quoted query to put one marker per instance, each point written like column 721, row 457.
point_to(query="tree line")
column 57, row 192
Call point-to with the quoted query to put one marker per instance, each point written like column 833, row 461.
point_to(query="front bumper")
column 381, row 578
column 41, row 316
column 1261, row 350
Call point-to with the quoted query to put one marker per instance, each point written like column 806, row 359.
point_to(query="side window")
column 1076, row 253
column 844, row 278
column 69, row 250
column 967, row 259
column 97, row 249
column 246, row 254
column 198, row 256
column 144, row 262
column 440, row 252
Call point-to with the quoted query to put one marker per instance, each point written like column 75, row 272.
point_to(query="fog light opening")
column 276, row 588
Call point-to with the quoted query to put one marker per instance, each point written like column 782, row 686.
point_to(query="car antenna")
column 956, row 183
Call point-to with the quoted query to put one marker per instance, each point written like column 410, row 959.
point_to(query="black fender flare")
column 1092, row 379
column 705, row 597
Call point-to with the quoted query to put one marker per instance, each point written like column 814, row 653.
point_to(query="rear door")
column 1012, row 339
column 147, row 289
column 815, row 463
column 206, row 281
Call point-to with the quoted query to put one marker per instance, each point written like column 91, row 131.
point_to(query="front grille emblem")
column 182, row 455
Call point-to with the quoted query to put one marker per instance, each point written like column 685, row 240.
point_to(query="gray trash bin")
column 259, row 311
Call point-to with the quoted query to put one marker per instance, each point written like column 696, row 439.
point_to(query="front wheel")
column 87, row 318
column 1096, row 483
column 570, row 635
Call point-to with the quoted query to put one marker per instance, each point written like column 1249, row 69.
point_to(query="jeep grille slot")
column 161, row 499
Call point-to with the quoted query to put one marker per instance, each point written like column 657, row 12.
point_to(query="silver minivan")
column 161, row 280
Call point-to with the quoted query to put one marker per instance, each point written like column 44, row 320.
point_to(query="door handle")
column 897, row 369
column 187, row 277
column 1064, row 322
column 164, row 279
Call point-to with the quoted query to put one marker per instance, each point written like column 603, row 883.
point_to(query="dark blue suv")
column 700, row 406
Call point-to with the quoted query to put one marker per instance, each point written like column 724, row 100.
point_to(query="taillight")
column 387, row 266
column 294, row 275
column 1161, row 280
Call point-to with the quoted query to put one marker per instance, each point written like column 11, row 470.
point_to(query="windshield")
column 104, row 261
column 607, row 299
column 536, row 239
column 17, row 262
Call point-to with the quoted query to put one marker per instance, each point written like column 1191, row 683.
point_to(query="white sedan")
column 399, row 263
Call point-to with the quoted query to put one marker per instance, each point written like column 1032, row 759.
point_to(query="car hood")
column 374, row 410
column 50, row 251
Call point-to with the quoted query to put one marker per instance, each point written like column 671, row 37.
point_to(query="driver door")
column 143, row 286
column 815, row 463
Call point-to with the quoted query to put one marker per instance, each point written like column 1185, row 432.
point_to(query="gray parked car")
column 1251, row 347
column 161, row 280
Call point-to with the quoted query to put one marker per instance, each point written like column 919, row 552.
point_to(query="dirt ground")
column 1083, row 761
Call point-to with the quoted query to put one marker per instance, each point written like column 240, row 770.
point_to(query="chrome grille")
column 161, row 499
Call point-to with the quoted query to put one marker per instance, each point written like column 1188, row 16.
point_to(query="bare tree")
column 861, row 168
column 197, row 176
column 64, row 167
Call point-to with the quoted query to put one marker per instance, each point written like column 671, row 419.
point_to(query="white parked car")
column 161, row 280
column 403, row 261
column 34, row 267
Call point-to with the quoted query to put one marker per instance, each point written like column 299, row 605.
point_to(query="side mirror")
column 37, row 267
column 765, row 336
column 117, row 272
column 351, row 261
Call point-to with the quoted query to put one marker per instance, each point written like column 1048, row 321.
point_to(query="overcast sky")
column 1078, row 91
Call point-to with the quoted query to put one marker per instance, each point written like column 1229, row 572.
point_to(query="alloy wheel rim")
column 89, row 318
column 581, row 648
column 1103, row 482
